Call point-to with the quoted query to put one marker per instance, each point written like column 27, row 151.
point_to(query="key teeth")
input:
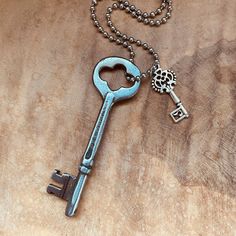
column 179, row 113
column 57, row 176
column 53, row 189
column 60, row 178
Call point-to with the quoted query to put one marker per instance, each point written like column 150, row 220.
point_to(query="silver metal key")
column 163, row 82
column 72, row 186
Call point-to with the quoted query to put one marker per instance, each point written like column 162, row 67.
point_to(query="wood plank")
column 151, row 177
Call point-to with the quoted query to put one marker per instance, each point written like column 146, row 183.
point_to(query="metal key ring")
column 102, row 85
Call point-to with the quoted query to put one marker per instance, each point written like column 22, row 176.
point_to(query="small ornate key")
column 72, row 186
column 163, row 82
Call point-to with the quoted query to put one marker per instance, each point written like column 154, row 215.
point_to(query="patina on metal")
column 72, row 186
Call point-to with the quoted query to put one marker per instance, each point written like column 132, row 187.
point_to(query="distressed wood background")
column 151, row 177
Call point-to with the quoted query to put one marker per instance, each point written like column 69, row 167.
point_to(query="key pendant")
column 163, row 81
column 72, row 186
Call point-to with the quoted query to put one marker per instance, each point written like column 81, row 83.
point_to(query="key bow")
column 102, row 85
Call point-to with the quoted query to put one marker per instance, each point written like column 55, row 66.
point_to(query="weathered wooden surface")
column 151, row 177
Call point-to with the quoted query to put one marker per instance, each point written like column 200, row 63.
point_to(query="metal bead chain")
column 115, row 36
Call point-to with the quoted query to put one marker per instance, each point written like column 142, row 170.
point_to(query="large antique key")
column 72, row 186
column 163, row 82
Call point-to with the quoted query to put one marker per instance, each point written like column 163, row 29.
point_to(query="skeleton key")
column 163, row 82
column 72, row 186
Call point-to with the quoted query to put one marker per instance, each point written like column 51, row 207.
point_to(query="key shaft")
column 180, row 112
column 89, row 155
column 98, row 130
column 75, row 196
column 174, row 97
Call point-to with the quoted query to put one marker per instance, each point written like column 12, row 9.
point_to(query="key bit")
column 66, row 180
column 71, row 189
column 179, row 113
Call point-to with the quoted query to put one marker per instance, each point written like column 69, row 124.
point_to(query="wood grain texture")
column 151, row 177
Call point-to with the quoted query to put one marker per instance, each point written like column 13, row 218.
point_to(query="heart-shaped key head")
column 102, row 85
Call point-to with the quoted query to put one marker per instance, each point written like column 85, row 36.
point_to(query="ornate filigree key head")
column 163, row 82
column 72, row 186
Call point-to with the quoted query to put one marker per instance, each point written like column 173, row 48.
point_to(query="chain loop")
column 115, row 36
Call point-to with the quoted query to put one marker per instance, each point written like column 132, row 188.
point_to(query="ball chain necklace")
column 162, row 81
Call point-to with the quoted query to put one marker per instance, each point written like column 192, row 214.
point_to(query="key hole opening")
column 115, row 77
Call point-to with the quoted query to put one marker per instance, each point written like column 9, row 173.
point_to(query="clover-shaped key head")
column 102, row 85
